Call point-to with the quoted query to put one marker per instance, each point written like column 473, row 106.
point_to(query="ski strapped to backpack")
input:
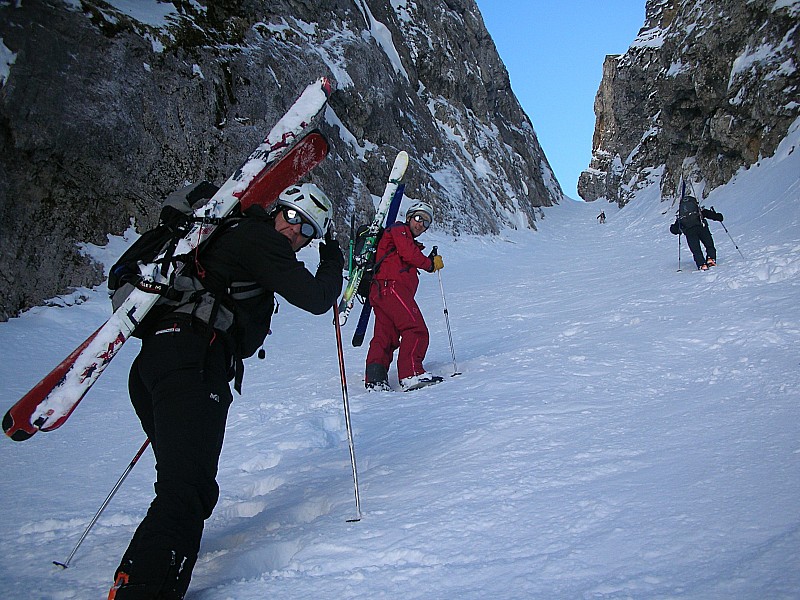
column 182, row 289
column 368, row 261
column 360, row 260
column 157, row 246
column 372, row 269
column 288, row 152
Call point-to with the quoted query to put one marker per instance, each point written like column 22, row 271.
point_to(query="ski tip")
column 18, row 433
column 399, row 167
column 326, row 86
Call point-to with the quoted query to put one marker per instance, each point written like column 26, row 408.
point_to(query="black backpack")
column 174, row 222
column 185, row 291
column 371, row 266
column 689, row 213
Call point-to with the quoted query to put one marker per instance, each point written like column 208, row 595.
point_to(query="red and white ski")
column 291, row 149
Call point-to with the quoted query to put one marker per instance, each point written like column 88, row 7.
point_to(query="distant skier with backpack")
column 179, row 382
column 399, row 324
column 691, row 222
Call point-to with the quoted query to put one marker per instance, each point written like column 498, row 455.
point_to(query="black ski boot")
column 377, row 379
column 152, row 578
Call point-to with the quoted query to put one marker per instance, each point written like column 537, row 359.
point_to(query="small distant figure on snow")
column 601, row 217
column 691, row 222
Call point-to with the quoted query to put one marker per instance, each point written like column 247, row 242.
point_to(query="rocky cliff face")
column 707, row 87
column 103, row 112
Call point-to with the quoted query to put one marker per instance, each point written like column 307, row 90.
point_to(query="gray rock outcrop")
column 706, row 88
column 103, row 112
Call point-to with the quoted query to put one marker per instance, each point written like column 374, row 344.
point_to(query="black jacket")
column 251, row 250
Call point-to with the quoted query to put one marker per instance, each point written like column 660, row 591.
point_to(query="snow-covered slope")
column 620, row 430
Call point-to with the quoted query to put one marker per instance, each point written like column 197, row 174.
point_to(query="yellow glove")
column 438, row 263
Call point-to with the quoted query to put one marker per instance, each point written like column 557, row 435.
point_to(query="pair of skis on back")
column 385, row 214
column 291, row 149
column 366, row 309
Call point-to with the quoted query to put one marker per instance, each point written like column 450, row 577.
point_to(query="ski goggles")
column 421, row 218
column 293, row 217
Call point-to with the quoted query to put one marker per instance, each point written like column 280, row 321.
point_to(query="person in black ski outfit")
column 691, row 222
column 179, row 382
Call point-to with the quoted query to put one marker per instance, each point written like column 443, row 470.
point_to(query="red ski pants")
column 398, row 324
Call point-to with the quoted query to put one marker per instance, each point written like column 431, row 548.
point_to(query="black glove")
column 713, row 215
column 675, row 229
column 329, row 250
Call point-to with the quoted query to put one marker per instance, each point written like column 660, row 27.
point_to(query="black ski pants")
column 179, row 388
column 696, row 235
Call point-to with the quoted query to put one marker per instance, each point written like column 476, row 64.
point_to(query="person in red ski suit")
column 398, row 321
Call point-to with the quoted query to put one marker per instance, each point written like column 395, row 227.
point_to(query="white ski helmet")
column 422, row 207
column 311, row 202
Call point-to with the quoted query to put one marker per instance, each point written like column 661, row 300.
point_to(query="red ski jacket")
column 399, row 256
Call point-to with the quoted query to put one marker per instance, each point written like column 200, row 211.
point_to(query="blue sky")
column 554, row 54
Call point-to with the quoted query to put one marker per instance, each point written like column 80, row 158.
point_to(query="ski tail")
column 395, row 178
column 366, row 309
column 287, row 153
column 16, row 422
column 363, row 322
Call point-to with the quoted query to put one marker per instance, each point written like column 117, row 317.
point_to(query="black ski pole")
column 346, row 402
column 447, row 318
column 680, row 231
column 116, row 487
column 730, row 236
